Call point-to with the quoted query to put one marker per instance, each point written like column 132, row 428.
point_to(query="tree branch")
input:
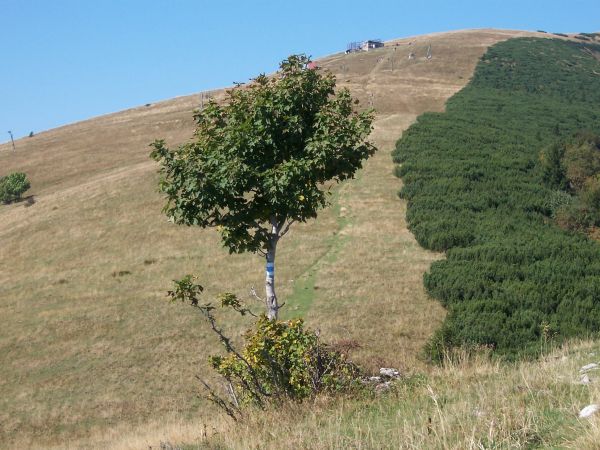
column 255, row 295
column 287, row 228
column 232, row 393
column 229, row 408
column 230, row 349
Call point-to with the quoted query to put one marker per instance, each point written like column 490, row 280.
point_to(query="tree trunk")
column 271, row 298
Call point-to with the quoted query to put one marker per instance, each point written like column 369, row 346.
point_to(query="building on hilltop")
column 372, row 44
column 364, row 46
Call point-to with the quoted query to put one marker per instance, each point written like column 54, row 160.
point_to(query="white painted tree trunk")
column 271, row 296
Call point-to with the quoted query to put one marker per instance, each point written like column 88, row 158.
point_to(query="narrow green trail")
column 304, row 288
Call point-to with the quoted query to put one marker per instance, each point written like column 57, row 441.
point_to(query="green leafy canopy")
column 261, row 160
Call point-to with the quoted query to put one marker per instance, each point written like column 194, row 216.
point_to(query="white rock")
column 389, row 372
column 585, row 379
column 383, row 387
column 372, row 380
column 589, row 410
column 591, row 366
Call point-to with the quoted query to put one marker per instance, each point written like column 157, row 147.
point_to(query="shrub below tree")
column 279, row 359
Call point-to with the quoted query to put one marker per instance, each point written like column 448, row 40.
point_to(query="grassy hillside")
column 472, row 178
column 91, row 354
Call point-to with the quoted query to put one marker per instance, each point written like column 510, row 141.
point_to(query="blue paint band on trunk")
column 270, row 268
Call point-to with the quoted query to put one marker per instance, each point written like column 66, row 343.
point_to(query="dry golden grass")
column 90, row 348
column 472, row 403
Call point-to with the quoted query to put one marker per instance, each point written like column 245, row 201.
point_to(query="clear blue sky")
column 67, row 60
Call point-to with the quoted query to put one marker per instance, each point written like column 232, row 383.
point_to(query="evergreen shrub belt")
column 472, row 177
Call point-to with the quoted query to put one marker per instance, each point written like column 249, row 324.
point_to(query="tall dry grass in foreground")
column 472, row 403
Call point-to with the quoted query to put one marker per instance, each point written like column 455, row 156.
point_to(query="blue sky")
column 67, row 60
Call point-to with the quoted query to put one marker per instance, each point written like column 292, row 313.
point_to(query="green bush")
column 581, row 159
column 574, row 168
column 477, row 188
column 557, row 201
column 554, row 170
column 279, row 359
column 591, row 196
column 575, row 216
column 13, row 186
column 287, row 360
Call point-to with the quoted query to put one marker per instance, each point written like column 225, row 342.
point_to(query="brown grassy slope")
column 87, row 339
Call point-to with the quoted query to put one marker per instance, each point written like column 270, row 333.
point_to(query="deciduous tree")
column 262, row 160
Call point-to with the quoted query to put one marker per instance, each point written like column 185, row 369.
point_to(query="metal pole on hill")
column 12, row 140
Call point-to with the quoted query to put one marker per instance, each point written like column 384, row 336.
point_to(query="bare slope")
column 87, row 340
